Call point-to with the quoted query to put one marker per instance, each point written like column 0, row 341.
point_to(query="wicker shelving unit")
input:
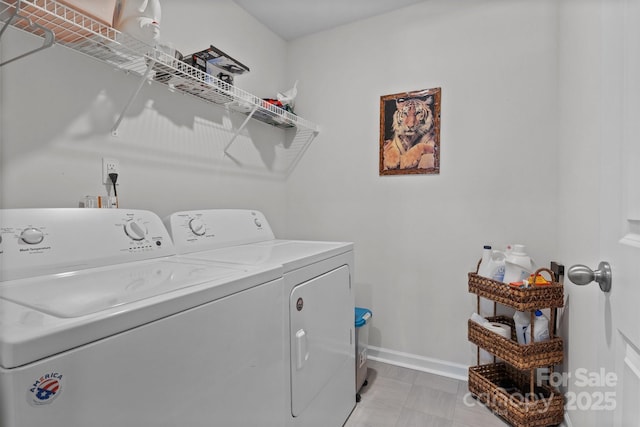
column 508, row 387
column 57, row 23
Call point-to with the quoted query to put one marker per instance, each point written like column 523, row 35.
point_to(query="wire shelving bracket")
column 60, row 24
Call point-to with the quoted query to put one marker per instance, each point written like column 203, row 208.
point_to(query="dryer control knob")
column 135, row 230
column 197, row 227
column 32, row 236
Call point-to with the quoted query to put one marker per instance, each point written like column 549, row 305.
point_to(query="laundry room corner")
column 416, row 236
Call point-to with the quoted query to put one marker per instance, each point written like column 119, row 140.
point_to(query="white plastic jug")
column 523, row 324
column 540, row 327
column 492, row 265
column 522, row 321
column 518, row 265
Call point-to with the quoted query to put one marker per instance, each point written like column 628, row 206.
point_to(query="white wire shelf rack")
column 55, row 22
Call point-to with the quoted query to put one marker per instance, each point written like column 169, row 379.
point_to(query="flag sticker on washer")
column 45, row 389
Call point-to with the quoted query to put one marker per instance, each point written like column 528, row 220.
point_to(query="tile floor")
column 401, row 397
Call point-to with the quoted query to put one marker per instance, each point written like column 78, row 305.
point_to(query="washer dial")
column 32, row 236
column 197, row 227
column 135, row 230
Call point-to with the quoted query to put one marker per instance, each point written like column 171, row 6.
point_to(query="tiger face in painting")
column 413, row 139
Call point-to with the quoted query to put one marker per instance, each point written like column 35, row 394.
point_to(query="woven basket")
column 503, row 389
column 522, row 299
column 521, row 356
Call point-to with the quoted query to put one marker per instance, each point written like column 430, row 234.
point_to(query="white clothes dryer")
column 101, row 325
column 319, row 316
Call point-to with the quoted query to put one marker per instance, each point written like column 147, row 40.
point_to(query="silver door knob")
column 583, row 275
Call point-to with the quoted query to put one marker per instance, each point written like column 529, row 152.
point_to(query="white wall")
column 417, row 236
column 58, row 108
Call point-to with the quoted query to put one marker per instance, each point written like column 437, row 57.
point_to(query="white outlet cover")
column 108, row 165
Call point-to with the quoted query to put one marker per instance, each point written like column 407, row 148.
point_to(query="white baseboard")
column 418, row 363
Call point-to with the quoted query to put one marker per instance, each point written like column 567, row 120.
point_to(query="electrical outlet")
column 109, row 166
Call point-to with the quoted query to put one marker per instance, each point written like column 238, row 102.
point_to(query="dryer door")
column 321, row 316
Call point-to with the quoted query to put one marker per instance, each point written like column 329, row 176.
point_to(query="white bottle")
column 540, row 327
column 499, row 266
column 485, row 269
column 486, row 306
column 518, row 265
column 522, row 321
column 492, row 265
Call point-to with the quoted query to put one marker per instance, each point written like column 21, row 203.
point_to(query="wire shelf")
column 101, row 41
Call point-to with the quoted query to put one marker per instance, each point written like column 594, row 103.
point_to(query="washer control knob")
column 32, row 236
column 197, row 227
column 135, row 230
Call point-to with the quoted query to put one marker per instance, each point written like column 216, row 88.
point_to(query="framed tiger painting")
column 410, row 132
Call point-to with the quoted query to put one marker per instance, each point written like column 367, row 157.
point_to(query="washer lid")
column 47, row 315
column 89, row 291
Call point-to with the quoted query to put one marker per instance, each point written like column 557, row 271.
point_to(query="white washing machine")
column 101, row 325
column 319, row 316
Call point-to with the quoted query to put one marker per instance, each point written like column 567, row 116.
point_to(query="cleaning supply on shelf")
column 540, row 327
column 518, row 265
column 483, row 269
column 523, row 324
column 492, row 265
column 486, row 306
column 522, row 321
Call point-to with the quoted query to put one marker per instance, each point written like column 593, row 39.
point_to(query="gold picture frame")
column 410, row 132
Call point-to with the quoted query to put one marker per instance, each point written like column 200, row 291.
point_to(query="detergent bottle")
column 540, row 327
column 492, row 265
column 518, row 265
column 523, row 321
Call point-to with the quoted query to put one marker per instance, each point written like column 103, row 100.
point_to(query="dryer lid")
column 291, row 254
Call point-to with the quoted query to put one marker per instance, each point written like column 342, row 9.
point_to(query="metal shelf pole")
column 114, row 129
column 242, row 126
